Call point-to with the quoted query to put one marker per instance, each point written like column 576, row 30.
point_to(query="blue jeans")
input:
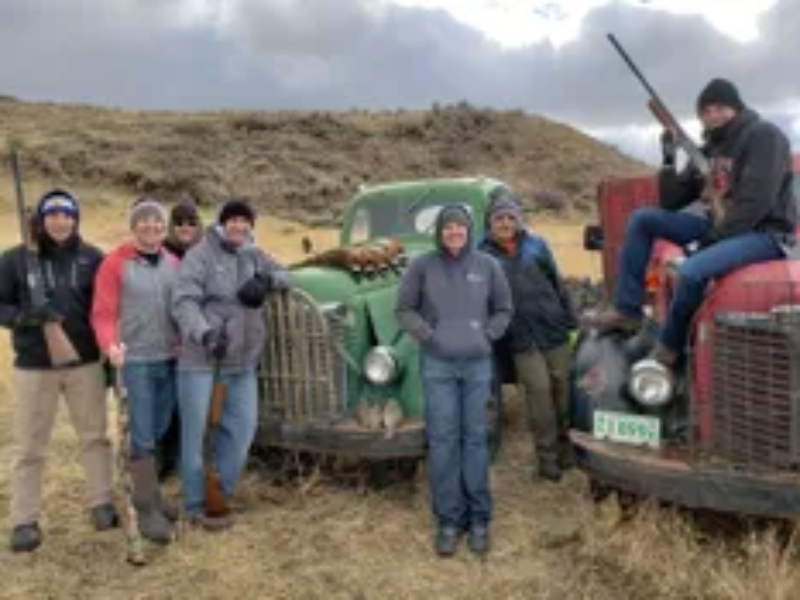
column 152, row 398
column 231, row 443
column 456, row 396
column 648, row 224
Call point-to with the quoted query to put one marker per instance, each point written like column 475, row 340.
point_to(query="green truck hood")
column 324, row 284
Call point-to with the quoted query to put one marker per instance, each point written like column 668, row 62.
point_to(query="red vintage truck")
column 724, row 434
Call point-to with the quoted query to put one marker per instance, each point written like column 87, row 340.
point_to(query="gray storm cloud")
column 361, row 53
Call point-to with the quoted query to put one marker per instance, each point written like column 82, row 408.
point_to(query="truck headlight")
column 381, row 365
column 651, row 384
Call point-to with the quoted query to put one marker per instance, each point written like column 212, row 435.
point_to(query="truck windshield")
column 387, row 217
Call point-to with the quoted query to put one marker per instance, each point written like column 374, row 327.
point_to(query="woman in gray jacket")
column 217, row 300
column 456, row 302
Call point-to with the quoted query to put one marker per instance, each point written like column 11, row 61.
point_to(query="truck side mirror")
column 593, row 238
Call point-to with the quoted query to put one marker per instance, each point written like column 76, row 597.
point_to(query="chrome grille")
column 304, row 377
column 755, row 392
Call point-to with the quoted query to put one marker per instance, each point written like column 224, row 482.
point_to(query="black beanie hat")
column 720, row 91
column 237, row 208
column 58, row 200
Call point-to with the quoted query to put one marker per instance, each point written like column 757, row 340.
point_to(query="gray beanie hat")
column 144, row 208
column 504, row 205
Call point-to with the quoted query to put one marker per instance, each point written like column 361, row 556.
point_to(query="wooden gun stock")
column 216, row 505
column 62, row 352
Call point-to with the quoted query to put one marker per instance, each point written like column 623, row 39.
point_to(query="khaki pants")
column 543, row 379
column 38, row 393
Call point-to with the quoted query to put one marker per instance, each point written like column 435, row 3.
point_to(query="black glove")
column 253, row 292
column 668, row 148
column 36, row 316
column 215, row 341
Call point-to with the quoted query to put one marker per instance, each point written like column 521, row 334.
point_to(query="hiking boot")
column 153, row 525
column 612, row 320
column 26, row 538
column 104, row 517
column 213, row 524
column 549, row 469
column 478, row 539
column 664, row 356
column 447, row 541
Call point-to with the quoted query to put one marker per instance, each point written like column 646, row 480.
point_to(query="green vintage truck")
column 338, row 374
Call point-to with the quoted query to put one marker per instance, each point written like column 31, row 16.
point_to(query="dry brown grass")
column 336, row 542
column 301, row 166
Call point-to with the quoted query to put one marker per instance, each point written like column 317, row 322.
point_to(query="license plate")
column 638, row 430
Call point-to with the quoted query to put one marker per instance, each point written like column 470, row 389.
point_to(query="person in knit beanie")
column 185, row 228
column 739, row 209
column 134, row 329
column 218, row 301
column 536, row 345
column 41, row 380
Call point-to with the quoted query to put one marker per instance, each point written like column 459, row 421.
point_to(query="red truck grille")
column 755, row 392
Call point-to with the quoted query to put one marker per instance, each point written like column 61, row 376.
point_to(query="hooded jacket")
column 68, row 271
column 752, row 163
column 455, row 306
column 543, row 310
column 204, row 297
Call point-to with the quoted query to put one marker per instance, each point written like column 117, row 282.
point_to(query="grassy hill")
column 301, row 165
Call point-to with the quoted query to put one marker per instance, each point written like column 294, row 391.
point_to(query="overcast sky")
column 547, row 57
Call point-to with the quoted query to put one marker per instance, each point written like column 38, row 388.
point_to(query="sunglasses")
column 186, row 222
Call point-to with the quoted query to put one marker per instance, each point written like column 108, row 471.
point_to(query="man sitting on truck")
column 749, row 215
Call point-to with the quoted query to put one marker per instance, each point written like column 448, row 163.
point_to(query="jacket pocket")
column 458, row 338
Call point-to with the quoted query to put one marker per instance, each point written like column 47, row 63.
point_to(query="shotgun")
column 60, row 349
column 216, row 505
column 133, row 538
column 656, row 105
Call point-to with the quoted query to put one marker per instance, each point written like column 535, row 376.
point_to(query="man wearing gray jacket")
column 217, row 301
column 455, row 301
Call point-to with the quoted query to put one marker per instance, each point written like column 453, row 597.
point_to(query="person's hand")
column 668, row 148
column 116, row 354
column 215, row 341
column 36, row 316
column 253, row 292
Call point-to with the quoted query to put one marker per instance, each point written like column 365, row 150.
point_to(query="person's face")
column 237, row 230
column 714, row 116
column 149, row 233
column 186, row 230
column 454, row 237
column 503, row 228
column 59, row 226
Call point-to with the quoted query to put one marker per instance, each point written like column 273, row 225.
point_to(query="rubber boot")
column 169, row 510
column 153, row 525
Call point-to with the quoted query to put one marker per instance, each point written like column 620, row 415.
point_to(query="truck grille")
column 755, row 391
column 303, row 374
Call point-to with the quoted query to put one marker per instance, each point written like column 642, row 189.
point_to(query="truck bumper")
column 671, row 477
column 343, row 437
